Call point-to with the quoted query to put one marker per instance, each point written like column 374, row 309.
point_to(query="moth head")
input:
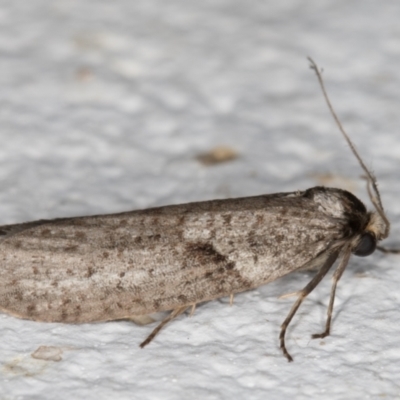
column 378, row 225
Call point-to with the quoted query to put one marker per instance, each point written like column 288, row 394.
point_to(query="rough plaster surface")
column 104, row 107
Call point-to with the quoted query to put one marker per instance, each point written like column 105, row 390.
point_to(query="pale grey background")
column 104, row 107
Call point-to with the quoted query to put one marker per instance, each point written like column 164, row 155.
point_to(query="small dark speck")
column 90, row 272
column 230, row 265
column 30, row 309
column 80, row 235
column 227, row 218
column 71, row 248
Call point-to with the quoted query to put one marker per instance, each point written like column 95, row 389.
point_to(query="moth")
column 131, row 264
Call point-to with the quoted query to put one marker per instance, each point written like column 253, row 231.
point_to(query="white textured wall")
column 103, row 108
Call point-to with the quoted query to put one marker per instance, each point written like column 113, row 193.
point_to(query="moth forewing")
column 113, row 266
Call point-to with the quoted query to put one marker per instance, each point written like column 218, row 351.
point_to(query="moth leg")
column 287, row 295
column 193, row 309
column 141, row 319
column 231, row 299
column 164, row 322
column 386, row 250
column 336, row 276
column 302, row 294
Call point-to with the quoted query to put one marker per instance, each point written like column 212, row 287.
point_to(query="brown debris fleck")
column 48, row 353
column 217, row 155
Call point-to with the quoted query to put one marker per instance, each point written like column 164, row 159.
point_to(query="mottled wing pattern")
column 115, row 266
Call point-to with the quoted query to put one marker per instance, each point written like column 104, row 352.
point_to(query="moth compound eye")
column 366, row 246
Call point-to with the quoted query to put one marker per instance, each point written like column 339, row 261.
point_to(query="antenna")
column 371, row 180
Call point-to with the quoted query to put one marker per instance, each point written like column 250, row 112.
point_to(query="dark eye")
column 366, row 246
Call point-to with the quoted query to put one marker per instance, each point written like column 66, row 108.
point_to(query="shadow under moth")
column 128, row 265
